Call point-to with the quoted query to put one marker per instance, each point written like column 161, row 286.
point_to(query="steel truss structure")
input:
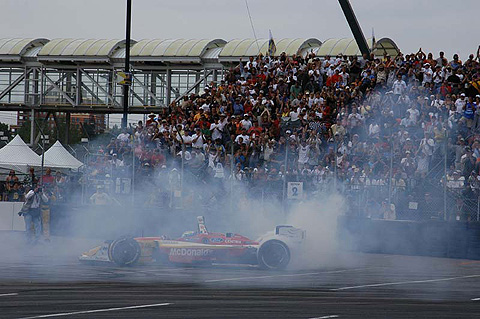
column 80, row 76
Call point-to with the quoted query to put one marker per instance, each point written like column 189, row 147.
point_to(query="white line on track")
column 96, row 310
column 11, row 294
column 287, row 275
column 326, row 317
column 404, row 282
column 476, row 299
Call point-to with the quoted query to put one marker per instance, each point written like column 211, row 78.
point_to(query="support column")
column 215, row 76
column 26, row 88
column 197, row 78
column 78, row 92
column 110, row 88
column 153, row 87
column 36, row 98
column 169, row 87
column 32, row 127
column 68, row 83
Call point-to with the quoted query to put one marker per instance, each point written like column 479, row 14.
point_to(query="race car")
column 273, row 250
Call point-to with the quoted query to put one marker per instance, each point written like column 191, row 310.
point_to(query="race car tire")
column 125, row 251
column 273, row 255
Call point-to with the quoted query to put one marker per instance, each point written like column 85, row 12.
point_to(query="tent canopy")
column 58, row 157
column 17, row 154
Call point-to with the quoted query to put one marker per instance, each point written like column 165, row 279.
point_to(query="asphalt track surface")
column 48, row 282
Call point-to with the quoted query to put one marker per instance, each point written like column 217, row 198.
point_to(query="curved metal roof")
column 14, row 49
column 187, row 50
column 250, row 47
column 348, row 46
column 80, row 49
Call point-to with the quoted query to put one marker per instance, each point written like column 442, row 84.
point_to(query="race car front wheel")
column 125, row 251
column 273, row 254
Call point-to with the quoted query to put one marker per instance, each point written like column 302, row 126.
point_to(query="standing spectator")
column 31, row 214
column 399, row 86
column 100, row 198
column 460, row 103
column 30, row 180
column 48, row 179
column 10, row 183
column 389, row 212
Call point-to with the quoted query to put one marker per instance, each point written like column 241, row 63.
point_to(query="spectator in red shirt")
column 48, row 179
column 255, row 129
column 334, row 79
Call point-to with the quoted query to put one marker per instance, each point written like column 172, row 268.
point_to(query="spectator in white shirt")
column 124, row 136
column 197, row 139
column 427, row 74
column 216, row 129
column 245, row 122
column 460, row 103
column 399, row 86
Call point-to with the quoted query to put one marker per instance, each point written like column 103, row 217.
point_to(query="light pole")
column 44, row 138
column 126, row 87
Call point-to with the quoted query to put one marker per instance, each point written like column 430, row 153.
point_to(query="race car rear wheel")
column 125, row 251
column 273, row 254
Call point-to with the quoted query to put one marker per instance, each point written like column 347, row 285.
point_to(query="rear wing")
column 202, row 229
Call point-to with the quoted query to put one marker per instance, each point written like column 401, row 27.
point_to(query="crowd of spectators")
column 16, row 185
column 401, row 135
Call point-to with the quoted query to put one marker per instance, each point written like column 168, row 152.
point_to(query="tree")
column 24, row 131
column 6, row 130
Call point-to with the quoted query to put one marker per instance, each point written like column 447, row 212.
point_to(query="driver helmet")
column 188, row 233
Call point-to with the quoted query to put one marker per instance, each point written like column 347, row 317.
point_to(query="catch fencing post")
column 445, row 177
column 478, row 208
column 181, row 176
column 391, row 175
column 335, row 166
column 231, row 178
column 133, row 175
column 285, row 176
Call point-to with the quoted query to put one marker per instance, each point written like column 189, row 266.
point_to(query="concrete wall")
column 9, row 219
column 455, row 239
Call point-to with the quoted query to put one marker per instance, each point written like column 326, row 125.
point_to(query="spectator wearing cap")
column 245, row 122
column 460, row 103
column 151, row 120
column 427, row 74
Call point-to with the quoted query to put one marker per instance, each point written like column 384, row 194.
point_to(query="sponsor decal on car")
column 216, row 240
column 233, row 241
column 194, row 252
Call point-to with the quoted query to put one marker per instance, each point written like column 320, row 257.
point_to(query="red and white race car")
column 274, row 250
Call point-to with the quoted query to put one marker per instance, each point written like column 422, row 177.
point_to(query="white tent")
column 18, row 156
column 58, row 157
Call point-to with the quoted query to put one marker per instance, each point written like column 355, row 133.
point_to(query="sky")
column 431, row 25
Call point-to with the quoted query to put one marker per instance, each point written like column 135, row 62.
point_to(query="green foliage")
column 24, row 131
column 6, row 130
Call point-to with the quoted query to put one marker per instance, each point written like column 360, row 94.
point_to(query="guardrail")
column 452, row 239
